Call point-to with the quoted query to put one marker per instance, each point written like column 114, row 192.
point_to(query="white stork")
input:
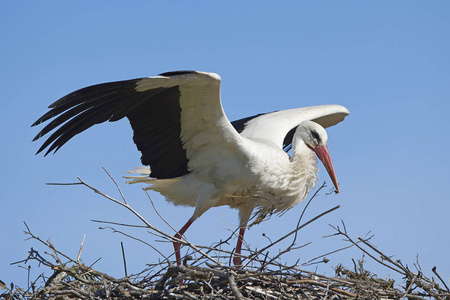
column 196, row 156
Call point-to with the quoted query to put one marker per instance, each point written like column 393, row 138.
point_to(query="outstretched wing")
column 177, row 119
column 173, row 116
column 278, row 128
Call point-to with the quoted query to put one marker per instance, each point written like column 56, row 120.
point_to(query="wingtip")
column 38, row 136
column 345, row 110
column 50, row 151
column 40, row 120
column 39, row 151
column 37, row 122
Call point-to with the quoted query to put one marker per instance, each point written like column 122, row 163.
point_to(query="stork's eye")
column 315, row 136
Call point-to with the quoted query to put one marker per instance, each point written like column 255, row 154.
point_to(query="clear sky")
column 388, row 62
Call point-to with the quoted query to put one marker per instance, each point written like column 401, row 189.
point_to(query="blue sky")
column 388, row 62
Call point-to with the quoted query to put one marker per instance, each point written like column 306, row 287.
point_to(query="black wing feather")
column 154, row 116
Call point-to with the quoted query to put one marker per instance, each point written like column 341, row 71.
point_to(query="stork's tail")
column 142, row 178
column 175, row 191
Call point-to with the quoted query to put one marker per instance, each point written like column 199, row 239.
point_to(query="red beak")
column 324, row 156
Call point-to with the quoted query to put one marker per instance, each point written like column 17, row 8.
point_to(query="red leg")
column 237, row 259
column 177, row 245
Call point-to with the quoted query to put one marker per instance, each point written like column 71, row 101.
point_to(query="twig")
column 344, row 233
column 124, row 260
column 304, row 210
column 383, row 256
column 291, row 246
column 81, row 249
column 127, row 206
column 408, row 288
column 327, row 254
column 96, row 261
column 237, row 294
column 290, row 233
column 48, row 244
column 117, row 185
column 137, row 239
column 436, row 273
column 157, row 212
column 120, row 224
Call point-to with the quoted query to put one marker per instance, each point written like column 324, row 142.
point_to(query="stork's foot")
column 237, row 261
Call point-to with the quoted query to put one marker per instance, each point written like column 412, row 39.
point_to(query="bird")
column 194, row 156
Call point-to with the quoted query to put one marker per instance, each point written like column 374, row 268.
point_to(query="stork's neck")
column 303, row 159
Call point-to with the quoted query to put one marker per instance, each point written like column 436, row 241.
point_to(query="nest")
column 205, row 277
column 214, row 282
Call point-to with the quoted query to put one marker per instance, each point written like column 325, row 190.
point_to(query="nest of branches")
column 203, row 275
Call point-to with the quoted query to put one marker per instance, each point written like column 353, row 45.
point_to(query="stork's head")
column 315, row 137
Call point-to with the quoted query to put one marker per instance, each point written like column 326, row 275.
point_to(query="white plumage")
column 196, row 156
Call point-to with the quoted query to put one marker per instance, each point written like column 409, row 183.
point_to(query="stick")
column 290, row 233
column 124, row 260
